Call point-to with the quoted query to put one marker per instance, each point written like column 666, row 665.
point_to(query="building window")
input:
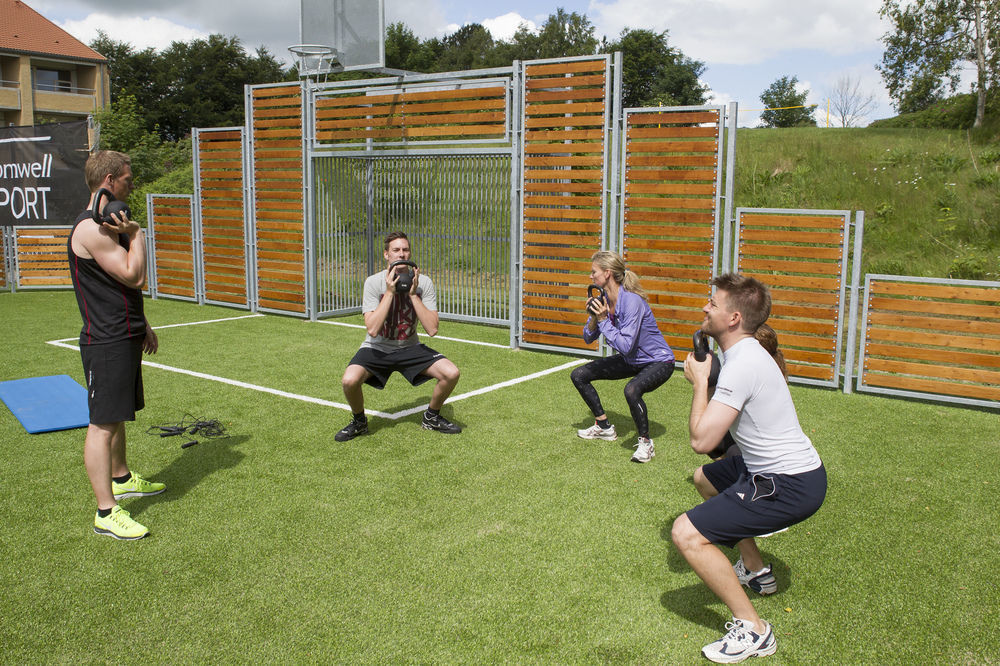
column 53, row 80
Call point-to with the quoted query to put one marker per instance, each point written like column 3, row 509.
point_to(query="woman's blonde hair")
column 612, row 261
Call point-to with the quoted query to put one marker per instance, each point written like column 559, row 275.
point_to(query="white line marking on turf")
column 436, row 337
column 494, row 387
column 207, row 321
column 262, row 389
column 328, row 403
column 235, row 382
column 156, row 328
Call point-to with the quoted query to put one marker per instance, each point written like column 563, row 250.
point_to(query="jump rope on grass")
column 189, row 425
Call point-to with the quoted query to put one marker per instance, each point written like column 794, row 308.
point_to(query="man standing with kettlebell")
column 107, row 261
column 394, row 301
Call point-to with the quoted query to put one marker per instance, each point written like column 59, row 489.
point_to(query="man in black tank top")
column 108, row 265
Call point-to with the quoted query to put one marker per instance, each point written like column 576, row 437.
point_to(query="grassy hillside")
column 931, row 196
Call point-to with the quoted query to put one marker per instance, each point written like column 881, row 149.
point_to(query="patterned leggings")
column 647, row 378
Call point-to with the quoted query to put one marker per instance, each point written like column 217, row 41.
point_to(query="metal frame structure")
column 17, row 275
column 861, row 386
column 7, row 253
column 152, row 271
column 251, row 200
column 376, row 167
column 612, row 130
column 845, row 216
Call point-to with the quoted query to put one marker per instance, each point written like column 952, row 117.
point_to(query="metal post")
column 852, row 326
column 729, row 223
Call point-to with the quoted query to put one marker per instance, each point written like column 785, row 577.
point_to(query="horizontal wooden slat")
column 977, row 391
column 948, row 341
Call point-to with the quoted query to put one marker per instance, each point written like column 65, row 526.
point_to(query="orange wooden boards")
column 801, row 256
column 932, row 337
column 565, row 151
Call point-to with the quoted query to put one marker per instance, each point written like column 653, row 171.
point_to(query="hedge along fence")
column 172, row 260
column 221, row 230
column 931, row 338
column 276, row 140
column 802, row 256
column 40, row 258
column 671, row 210
column 565, row 176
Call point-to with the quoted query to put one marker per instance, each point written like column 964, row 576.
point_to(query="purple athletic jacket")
column 632, row 331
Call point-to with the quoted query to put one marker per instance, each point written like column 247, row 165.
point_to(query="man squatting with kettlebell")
column 393, row 301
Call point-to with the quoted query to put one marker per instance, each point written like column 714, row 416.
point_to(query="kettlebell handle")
column 593, row 291
column 700, row 343
column 95, row 212
column 402, row 262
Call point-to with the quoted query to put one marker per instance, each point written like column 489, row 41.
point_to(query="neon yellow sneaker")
column 119, row 524
column 136, row 486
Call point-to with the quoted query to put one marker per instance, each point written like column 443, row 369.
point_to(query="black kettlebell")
column 114, row 206
column 701, row 350
column 593, row 291
column 405, row 280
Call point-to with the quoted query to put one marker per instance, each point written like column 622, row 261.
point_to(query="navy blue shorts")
column 750, row 505
column 408, row 361
column 113, row 372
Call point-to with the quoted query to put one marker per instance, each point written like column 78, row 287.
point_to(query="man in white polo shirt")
column 778, row 479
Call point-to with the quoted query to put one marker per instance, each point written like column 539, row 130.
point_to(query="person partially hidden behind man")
column 107, row 263
column 777, row 480
column 392, row 345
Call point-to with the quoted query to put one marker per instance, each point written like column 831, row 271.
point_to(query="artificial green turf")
column 514, row 541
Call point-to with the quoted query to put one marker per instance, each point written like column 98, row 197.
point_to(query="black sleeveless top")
column 111, row 311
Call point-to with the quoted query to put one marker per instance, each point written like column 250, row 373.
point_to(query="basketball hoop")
column 316, row 59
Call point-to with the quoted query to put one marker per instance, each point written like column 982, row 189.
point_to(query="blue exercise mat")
column 44, row 404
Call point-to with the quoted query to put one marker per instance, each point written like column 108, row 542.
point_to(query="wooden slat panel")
column 928, row 337
column 670, row 215
column 976, row 391
column 41, row 256
column 173, row 246
column 798, row 255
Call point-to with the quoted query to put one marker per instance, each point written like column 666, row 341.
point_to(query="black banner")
column 41, row 173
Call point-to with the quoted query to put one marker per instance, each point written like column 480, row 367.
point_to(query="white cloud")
column 139, row 32
column 504, row 27
column 740, row 32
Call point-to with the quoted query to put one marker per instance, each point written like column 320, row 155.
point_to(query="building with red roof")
column 46, row 74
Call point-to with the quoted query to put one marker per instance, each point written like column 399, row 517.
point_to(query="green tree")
column 470, row 47
column 654, row 73
column 929, row 43
column 128, row 69
column 564, row 34
column 122, row 128
column 194, row 84
column 785, row 106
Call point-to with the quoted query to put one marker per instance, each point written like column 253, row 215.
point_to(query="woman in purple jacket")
column 623, row 317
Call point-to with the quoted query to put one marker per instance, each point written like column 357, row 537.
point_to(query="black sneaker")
column 440, row 423
column 352, row 430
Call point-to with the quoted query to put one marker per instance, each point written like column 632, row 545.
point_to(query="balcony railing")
column 64, row 88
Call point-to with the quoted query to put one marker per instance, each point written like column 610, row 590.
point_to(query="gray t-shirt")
column 400, row 327
column 767, row 428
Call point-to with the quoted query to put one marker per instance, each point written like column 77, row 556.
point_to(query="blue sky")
column 745, row 44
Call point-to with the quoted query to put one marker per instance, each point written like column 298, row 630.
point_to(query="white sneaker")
column 644, row 451
column 761, row 582
column 740, row 642
column 597, row 432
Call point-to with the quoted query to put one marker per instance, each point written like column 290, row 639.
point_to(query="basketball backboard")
column 354, row 29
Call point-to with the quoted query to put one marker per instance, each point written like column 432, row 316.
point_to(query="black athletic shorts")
column 113, row 372
column 408, row 361
column 749, row 505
